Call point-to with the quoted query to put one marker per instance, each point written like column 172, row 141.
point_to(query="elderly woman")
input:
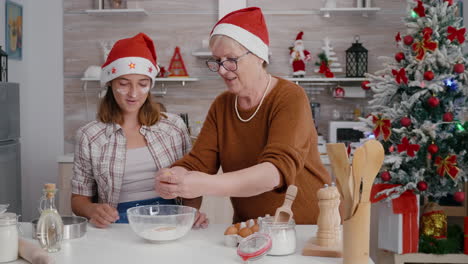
column 260, row 131
column 117, row 156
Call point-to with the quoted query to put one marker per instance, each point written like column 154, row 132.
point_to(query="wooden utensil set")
column 354, row 183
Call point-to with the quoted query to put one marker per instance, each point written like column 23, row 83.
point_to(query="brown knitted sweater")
column 282, row 132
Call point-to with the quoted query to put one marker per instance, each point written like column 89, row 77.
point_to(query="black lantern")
column 356, row 60
column 3, row 65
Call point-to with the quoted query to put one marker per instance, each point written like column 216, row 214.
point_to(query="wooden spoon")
column 284, row 212
column 359, row 165
column 338, row 157
column 374, row 156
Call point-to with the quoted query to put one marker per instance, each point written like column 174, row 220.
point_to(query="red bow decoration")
column 450, row 2
column 420, row 9
column 453, row 33
column 410, row 148
column 382, row 125
column 425, row 44
column 447, row 165
column 427, row 31
column 325, row 70
column 400, row 76
column 398, row 37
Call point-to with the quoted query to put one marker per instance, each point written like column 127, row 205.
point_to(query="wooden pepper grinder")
column 327, row 242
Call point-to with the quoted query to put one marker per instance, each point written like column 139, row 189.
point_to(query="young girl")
column 117, row 156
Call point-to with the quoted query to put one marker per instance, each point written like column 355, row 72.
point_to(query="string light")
column 414, row 14
column 451, row 84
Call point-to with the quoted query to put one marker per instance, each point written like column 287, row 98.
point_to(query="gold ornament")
column 434, row 221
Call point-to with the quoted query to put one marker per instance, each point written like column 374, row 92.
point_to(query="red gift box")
column 398, row 226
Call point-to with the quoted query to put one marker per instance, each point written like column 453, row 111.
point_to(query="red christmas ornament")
column 433, row 148
column 385, row 176
column 433, row 101
column 399, row 56
column 338, row 92
column 408, row 40
column 364, row 85
column 405, row 121
column 459, row 197
column 459, row 68
column 429, row 76
column 422, row 186
column 447, row 117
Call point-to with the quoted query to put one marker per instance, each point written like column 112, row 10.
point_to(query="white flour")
column 283, row 242
column 164, row 232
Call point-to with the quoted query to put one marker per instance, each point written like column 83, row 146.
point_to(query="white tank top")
column 138, row 180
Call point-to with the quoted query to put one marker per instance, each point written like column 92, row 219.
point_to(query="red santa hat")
column 299, row 37
column 247, row 26
column 135, row 55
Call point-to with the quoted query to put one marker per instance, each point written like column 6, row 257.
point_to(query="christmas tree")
column 418, row 101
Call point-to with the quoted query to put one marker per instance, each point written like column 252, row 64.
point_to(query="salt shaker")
column 8, row 237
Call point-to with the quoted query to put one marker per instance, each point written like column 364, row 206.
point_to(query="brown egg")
column 245, row 232
column 255, row 228
column 232, row 230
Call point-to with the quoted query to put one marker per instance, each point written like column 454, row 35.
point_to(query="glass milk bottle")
column 8, row 237
column 50, row 225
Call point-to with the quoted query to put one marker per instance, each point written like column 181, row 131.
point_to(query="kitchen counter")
column 118, row 244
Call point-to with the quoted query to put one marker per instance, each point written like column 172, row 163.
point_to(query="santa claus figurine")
column 299, row 57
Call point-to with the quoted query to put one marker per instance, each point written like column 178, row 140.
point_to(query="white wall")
column 40, row 75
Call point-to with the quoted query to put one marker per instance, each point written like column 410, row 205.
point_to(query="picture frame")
column 14, row 30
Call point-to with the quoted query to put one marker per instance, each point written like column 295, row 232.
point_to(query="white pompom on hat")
column 135, row 55
column 247, row 26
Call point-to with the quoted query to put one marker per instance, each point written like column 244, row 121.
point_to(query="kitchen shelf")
column 116, row 11
column 156, row 92
column 353, row 10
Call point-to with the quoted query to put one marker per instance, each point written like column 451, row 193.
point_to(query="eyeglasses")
column 229, row 64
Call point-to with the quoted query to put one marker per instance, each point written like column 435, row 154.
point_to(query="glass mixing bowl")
column 160, row 223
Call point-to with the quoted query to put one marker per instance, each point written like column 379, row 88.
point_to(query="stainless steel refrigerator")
column 10, row 156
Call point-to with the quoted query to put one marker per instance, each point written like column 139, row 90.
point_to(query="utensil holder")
column 356, row 235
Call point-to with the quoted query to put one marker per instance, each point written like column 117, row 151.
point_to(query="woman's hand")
column 172, row 183
column 201, row 221
column 102, row 215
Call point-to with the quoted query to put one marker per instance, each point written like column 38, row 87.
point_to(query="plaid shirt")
column 100, row 153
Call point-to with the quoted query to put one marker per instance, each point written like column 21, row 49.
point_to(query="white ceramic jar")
column 8, row 237
column 283, row 236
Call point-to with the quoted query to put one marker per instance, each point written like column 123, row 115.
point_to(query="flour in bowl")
column 164, row 232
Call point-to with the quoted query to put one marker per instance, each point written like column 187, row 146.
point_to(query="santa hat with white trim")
column 135, row 55
column 299, row 37
column 247, row 26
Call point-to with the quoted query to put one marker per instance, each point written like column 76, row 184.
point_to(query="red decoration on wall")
column 177, row 66
column 338, row 92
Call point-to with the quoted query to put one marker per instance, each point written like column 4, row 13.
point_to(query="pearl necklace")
column 258, row 107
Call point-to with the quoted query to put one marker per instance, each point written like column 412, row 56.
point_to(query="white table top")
column 118, row 244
